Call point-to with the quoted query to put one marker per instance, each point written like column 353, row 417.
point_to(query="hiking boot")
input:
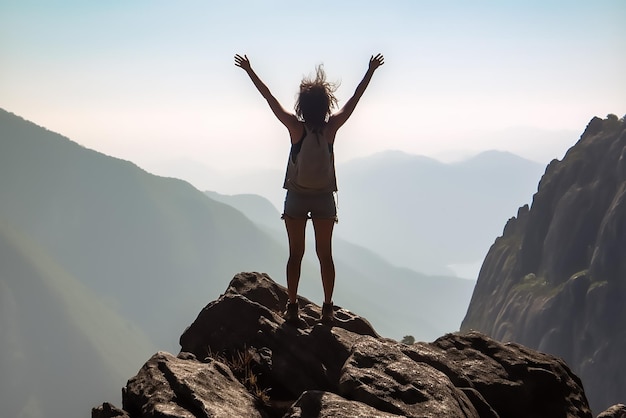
column 328, row 313
column 291, row 314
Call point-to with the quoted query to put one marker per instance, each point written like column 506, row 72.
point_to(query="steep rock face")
column 240, row 358
column 556, row 279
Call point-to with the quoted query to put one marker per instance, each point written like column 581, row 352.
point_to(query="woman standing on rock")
column 310, row 179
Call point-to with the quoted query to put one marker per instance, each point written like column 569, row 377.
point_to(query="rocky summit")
column 239, row 358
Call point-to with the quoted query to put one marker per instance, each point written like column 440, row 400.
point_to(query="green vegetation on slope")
column 59, row 341
column 155, row 248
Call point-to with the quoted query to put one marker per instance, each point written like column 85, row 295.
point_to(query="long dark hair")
column 316, row 99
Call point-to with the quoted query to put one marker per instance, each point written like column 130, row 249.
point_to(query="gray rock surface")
column 240, row 359
column 184, row 387
column 329, row 405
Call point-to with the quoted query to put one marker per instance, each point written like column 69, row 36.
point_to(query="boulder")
column 248, row 315
column 379, row 374
column 181, row 386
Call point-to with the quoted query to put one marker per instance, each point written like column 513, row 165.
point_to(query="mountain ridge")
column 555, row 279
column 116, row 208
column 448, row 212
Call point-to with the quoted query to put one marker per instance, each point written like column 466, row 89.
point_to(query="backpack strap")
column 295, row 148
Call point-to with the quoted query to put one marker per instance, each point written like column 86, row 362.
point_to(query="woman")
column 313, row 118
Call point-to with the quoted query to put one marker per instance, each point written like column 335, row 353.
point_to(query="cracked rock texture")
column 239, row 358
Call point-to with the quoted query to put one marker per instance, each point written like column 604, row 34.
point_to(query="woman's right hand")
column 242, row 62
column 376, row 61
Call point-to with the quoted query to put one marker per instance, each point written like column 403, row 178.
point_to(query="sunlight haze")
column 154, row 82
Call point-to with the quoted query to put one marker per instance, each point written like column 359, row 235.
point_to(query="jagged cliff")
column 556, row 278
column 240, row 359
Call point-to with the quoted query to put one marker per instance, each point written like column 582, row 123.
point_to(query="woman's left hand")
column 242, row 62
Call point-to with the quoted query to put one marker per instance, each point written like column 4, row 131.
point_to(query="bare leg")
column 323, row 248
column 295, row 232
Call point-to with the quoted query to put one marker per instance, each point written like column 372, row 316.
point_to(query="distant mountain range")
column 426, row 215
column 100, row 258
column 414, row 211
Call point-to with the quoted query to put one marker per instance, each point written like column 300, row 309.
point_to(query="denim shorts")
column 310, row 206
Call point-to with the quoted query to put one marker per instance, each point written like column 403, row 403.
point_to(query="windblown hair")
column 316, row 99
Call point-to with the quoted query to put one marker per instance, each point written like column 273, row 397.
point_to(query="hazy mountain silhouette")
column 413, row 210
column 129, row 235
column 96, row 247
column 257, row 208
column 423, row 214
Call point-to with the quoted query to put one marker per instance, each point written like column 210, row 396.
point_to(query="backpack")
column 311, row 166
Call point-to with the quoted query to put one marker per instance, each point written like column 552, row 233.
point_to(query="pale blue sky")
column 151, row 80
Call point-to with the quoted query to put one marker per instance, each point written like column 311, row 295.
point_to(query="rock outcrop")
column 556, row 278
column 240, row 359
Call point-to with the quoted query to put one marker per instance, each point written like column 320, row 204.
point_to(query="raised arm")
column 340, row 117
column 288, row 119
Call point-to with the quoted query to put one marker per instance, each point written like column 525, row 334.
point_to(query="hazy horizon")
column 152, row 81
